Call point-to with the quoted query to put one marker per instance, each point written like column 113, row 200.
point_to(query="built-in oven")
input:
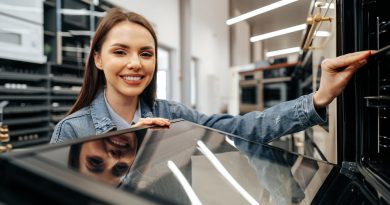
column 274, row 94
column 21, row 30
column 363, row 109
column 251, row 92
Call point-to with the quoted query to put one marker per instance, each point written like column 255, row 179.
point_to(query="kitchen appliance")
column 21, row 30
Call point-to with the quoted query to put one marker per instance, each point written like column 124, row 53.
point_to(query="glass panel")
column 163, row 73
column 162, row 84
column 186, row 162
column 163, row 59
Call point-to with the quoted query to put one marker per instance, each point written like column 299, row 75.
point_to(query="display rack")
column 40, row 94
column 26, row 87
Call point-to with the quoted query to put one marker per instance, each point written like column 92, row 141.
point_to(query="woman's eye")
column 95, row 161
column 120, row 169
column 120, row 52
column 146, row 54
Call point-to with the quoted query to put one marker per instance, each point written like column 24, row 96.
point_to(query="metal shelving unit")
column 40, row 94
column 26, row 87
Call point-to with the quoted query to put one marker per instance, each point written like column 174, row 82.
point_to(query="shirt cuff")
column 308, row 115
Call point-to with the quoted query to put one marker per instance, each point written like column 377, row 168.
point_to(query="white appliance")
column 21, row 30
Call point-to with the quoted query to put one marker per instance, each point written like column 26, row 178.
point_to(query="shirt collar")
column 118, row 120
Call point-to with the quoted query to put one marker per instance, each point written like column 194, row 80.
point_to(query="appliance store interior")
column 194, row 102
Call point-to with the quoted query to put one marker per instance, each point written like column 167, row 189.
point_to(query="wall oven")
column 21, row 31
column 363, row 126
column 251, row 91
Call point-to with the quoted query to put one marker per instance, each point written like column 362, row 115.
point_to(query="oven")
column 21, row 31
column 274, row 94
column 251, row 91
column 363, row 108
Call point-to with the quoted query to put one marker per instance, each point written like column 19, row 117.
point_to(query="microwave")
column 21, row 38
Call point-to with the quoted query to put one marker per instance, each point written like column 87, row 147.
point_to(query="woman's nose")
column 116, row 153
column 134, row 63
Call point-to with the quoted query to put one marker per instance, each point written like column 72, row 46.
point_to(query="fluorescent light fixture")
column 283, row 51
column 222, row 170
column 184, row 183
column 322, row 33
column 278, row 33
column 259, row 11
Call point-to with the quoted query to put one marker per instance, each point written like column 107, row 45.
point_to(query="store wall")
column 210, row 44
column 240, row 42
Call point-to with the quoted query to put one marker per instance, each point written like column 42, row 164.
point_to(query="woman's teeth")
column 117, row 142
column 131, row 78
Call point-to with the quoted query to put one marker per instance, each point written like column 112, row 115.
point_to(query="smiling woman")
column 119, row 90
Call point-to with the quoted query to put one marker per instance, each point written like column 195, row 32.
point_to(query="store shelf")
column 57, row 118
column 49, row 33
column 271, row 67
column 25, row 120
column 73, row 80
column 26, row 109
column 67, row 66
column 61, row 109
column 41, row 140
column 65, row 92
column 277, row 80
column 28, row 90
column 22, row 76
column 23, row 97
column 16, row 133
column 64, row 97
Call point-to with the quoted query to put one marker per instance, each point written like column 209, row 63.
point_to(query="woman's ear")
column 98, row 60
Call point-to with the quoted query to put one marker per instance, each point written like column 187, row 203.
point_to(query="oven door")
column 21, row 40
column 251, row 96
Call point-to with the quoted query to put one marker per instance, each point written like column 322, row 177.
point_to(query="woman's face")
column 108, row 159
column 127, row 58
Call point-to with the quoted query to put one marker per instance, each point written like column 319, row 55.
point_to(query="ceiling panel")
column 280, row 18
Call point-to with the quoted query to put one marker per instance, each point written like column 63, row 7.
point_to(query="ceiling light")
column 283, row 51
column 278, row 33
column 259, row 11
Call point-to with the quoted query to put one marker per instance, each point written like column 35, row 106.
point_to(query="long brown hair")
column 94, row 79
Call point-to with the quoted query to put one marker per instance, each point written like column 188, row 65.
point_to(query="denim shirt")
column 284, row 118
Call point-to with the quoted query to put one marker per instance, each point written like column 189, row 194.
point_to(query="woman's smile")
column 133, row 80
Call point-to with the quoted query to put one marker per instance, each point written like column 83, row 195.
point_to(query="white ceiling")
column 280, row 18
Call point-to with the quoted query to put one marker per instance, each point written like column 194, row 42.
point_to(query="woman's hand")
column 336, row 72
column 162, row 122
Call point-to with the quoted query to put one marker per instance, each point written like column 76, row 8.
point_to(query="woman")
column 119, row 89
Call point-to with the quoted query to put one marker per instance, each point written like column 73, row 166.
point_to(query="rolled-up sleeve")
column 261, row 126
